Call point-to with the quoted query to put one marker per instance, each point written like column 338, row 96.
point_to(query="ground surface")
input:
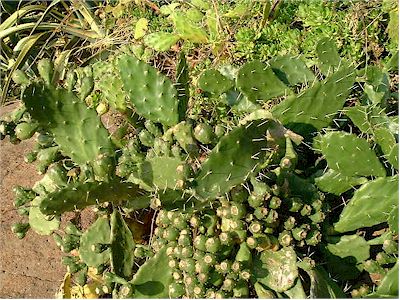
column 29, row 268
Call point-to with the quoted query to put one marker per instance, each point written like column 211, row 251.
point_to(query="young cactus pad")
column 370, row 205
column 317, row 105
column 236, row 157
column 76, row 128
column 350, row 155
column 98, row 233
column 122, row 246
column 153, row 277
column 80, row 195
column 152, row 93
column 259, row 83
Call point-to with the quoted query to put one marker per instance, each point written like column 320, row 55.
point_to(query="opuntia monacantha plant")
column 238, row 211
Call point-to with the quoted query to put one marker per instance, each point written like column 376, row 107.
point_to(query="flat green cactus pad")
column 370, row 205
column 235, row 157
column 336, row 183
column 291, row 70
column 259, row 83
column 80, row 195
column 322, row 286
column 153, row 278
column 214, row 82
column 318, row 104
column 38, row 221
column 77, row 129
column 350, row 155
column 122, row 246
column 98, row 233
column 161, row 172
column 279, row 268
column 152, row 93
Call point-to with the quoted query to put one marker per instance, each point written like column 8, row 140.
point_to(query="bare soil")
column 29, row 268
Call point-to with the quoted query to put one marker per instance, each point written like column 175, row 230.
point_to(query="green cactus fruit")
column 22, row 195
column 291, row 70
column 98, row 233
column 204, row 133
column 259, row 83
column 45, row 140
column 70, row 80
column 20, row 229
column 60, row 112
column 152, row 93
column 289, row 161
column 182, row 85
column 38, row 221
column 24, row 131
column 19, row 77
column 30, row 157
column 80, row 195
column 81, row 276
column 371, row 204
column 317, row 106
column 87, row 85
column 334, row 145
column 122, row 246
column 154, row 277
column 236, row 157
column 183, row 134
column 45, row 157
column 336, row 183
column 212, row 81
column 70, row 228
column 285, row 238
column 46, row 68
column 146, row 138
column 176, row 290
column 328, row 55
column 281, row 269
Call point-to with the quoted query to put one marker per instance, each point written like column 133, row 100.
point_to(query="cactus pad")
column 370, row 205
column 76, row 128
column 291, row 70
column 152, row 93
column 259, row 83
column 280, row 269
column 342, row 150
column 336, row 183
column 122, row 246
column 153, row 277
column 98, row 233
column 318, row 104
column 214, row 82
column 38, row 221
column 81, row 195
column 236, row 157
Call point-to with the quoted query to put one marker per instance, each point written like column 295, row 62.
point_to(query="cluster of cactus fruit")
column 235, row 213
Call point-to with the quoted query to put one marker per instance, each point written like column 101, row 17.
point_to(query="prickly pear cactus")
column 237, row 156
column 153, row 94
column 80, row 195
column 76, row 128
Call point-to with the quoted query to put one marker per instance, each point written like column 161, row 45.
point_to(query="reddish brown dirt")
column 29, row 268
